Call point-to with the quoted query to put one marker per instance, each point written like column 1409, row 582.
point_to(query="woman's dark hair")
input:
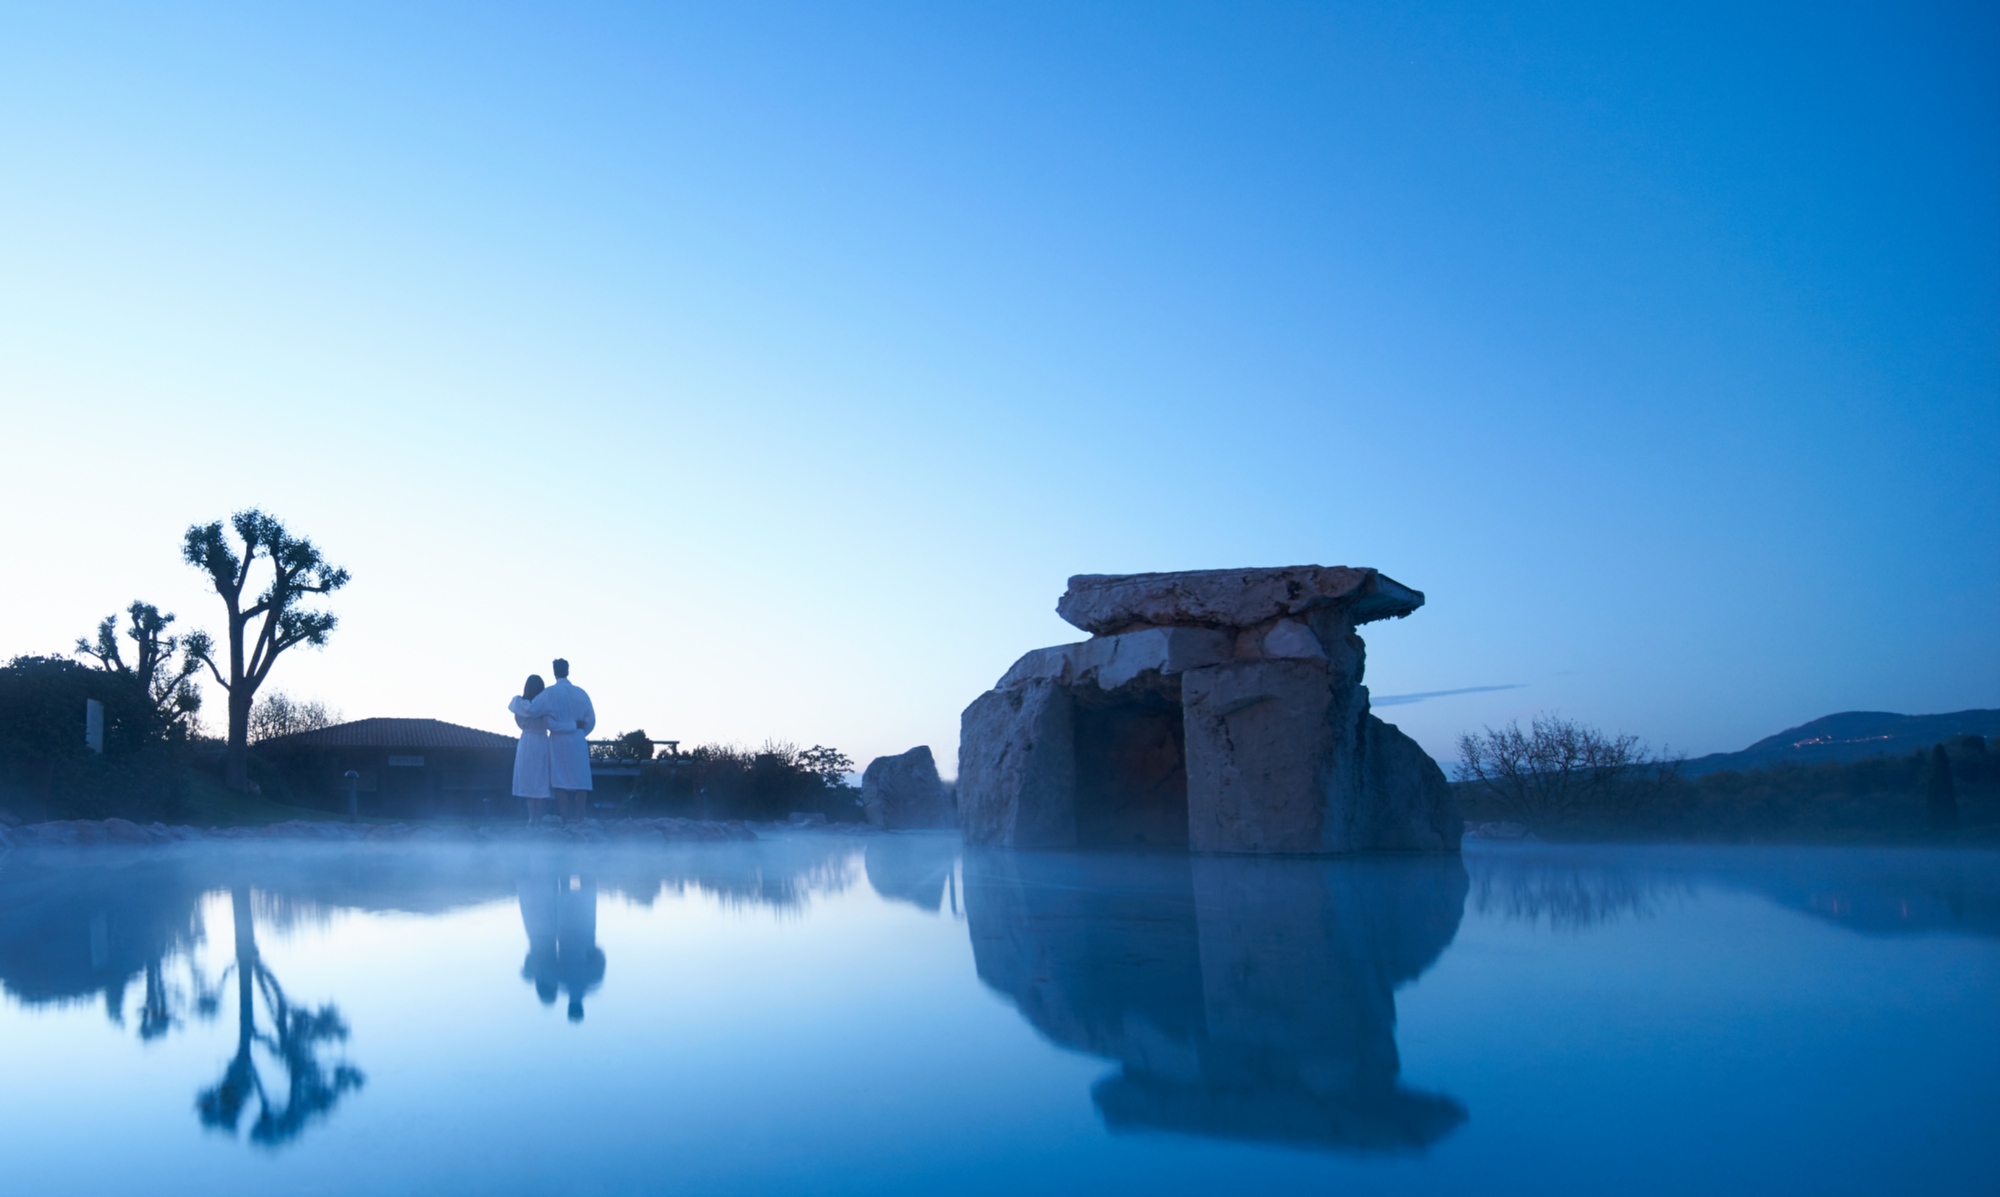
column 533, row 687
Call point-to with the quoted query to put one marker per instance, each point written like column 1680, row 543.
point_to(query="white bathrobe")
column 565, row 705
column 531, row 755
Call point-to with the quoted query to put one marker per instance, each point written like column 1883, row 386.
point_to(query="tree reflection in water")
column 294, row 1040
column 1877, row 890
column 88, row 925
column 161, row 1009
column 1569, row 896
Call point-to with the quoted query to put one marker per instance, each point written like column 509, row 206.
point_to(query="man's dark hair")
column 561, row 667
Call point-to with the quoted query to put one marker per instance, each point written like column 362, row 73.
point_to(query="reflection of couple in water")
column 560, row 914
column 553, row 757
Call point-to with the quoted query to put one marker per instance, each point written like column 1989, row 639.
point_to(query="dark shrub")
column 1931, row 791
column 720, row 781
column 1940, row 795
column 47, row 770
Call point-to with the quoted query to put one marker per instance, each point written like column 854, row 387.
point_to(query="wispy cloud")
column 1396, row 700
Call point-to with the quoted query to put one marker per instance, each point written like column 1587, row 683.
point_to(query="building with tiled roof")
column 395, row 733
column 404, row 768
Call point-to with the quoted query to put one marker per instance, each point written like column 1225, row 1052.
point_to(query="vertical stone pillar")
column 1257, row 736
column 1017, row 767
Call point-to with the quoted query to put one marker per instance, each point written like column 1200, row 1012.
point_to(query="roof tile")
column 393, row 733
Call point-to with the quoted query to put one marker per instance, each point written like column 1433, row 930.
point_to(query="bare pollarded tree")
column 164, row 664
column 1559, row 767
column 264, row 624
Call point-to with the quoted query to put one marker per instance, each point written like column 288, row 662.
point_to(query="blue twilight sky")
column 777, row 363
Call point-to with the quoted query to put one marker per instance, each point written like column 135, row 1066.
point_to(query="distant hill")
column 1849, row 736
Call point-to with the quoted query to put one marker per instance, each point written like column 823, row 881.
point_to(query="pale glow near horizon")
column 777, row 369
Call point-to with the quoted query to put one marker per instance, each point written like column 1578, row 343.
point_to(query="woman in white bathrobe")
column 531, row 755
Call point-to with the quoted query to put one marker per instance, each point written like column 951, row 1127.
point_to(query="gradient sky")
column 778, row 363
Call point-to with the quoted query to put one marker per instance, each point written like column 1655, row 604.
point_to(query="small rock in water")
column 904, row 791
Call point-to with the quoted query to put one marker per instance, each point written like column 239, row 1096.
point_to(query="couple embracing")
column 553, row 757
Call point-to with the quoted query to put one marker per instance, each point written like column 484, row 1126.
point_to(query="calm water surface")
column 819, row 1015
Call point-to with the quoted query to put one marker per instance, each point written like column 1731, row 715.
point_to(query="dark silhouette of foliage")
column 48, row 771
column 1885, row 796
column 626, row 746
column 1557, row 768
column 721, row 781
column 280, row 714
column 169, row 681
column 830, row 764
column 297, row 572
column 1941, row 796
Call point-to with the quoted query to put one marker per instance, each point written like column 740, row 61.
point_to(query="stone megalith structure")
column 1218, row 710
column 904, row 791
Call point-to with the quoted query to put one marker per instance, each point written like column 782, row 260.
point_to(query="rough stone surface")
column 1290, row 638
column 904, row 791
column 1411, row 807
column 1017, row 767
column 1112, row 662
column 1260, row 738
column 1105, row 604
column 1228, row 702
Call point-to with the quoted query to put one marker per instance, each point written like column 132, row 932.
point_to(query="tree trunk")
column 237, row 776
column 241, row 694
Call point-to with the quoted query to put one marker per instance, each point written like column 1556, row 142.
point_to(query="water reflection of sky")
column 813, row 1016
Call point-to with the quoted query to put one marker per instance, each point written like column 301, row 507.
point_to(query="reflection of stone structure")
column 1220, row 710
column 912, row 868
column 1245, row 998
column 904, row 791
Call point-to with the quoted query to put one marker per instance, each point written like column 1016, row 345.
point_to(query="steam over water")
column 823, row 1014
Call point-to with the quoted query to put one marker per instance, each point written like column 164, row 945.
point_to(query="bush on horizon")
column 1559, row 768
column 48, row 772
column 723, row 781
column 1878, row 796
column 279, row 714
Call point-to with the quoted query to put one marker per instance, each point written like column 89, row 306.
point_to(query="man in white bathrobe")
column 571, row 720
